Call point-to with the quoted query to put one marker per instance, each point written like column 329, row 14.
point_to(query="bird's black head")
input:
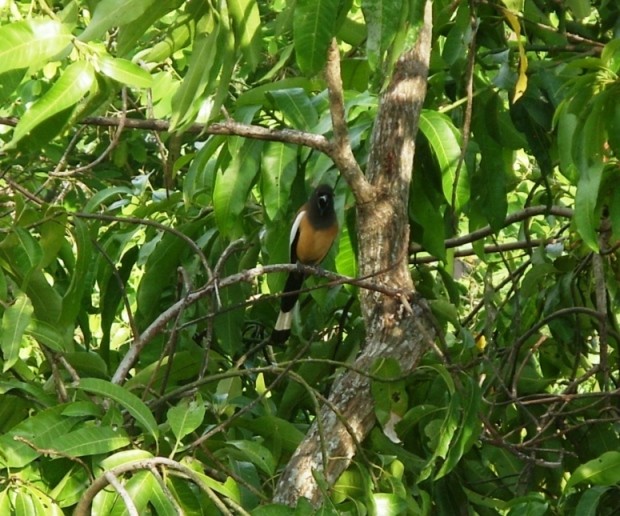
column 323, row 199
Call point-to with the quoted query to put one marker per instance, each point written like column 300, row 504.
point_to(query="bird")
column 312, row 234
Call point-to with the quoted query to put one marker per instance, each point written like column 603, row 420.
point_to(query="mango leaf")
column 602, row 471
column 129, row 34
column 232, row 186
column 67, row 91
column 15, row 320
column 383, row 18
column 134, row 405
column 388, row 503
column 255, row 453
column 124, row 71
column 48, row 334
column 89, row 441
column 588, row 503
column 278, row 170
column 469, row 427
column 246, row 23
column 445, row 143
column 521, row 85
column 296, row 107
column 185, row 417
column 160, row 269
column 198, row 81
column 9, row 81
column 112, row 13
column 586, row 214
column 72, row 300
column 45, row 426
column 314, row 25
column 52, row 237
column 346, row 259
column 23, row 254
column 31, row 43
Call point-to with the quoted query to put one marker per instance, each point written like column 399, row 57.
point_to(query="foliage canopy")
column 153, row 154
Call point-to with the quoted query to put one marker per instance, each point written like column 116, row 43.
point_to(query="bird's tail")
column 282, row 328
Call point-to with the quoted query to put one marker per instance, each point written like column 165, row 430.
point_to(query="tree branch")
column 342, row 154
column 158, row 325
column 227, row 128
column 525, row 213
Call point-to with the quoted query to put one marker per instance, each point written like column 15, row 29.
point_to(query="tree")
column 464, row 353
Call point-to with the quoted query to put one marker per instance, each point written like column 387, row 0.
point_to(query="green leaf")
column 255, row 453
column 586, row 213
column 185, row 417
column 72, row 301
column 246, row 23
column 296, row 107
column 124, row 71
column 15, row 320
column 134, row 405
column 388, row 503
column 588, row 503
column 198, row 81
column 278, row 170
column 232, row 186
column 383, row 18
column 469, row 427
column 129, row 34
column 43, row 427
column 346, row 259
column 75, row 82
column 9, row 81
column 90, row 441
column 113, row 13
column 602, row 471
column 102, row 196
column 160, row 269
column 444, row 140
column 31, row 43
column 48, row 334
column 52, row 238
column 314, row 25
column 23, row 254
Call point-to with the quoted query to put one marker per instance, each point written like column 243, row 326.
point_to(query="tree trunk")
column 395, row 327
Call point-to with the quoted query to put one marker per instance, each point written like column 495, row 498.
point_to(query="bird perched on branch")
column 312, row 234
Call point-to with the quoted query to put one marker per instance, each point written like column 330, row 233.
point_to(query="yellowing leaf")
column 521, row 85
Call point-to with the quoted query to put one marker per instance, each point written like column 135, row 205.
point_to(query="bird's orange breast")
column 313, row 244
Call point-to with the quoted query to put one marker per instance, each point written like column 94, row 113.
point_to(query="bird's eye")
column 322, row 201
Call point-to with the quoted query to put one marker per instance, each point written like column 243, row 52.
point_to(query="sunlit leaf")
column 74, row 83
column 112, row 13
column 602, row 471
column 124, row 71
column 31, row 43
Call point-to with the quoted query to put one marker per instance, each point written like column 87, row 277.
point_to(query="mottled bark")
column 397, row 327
